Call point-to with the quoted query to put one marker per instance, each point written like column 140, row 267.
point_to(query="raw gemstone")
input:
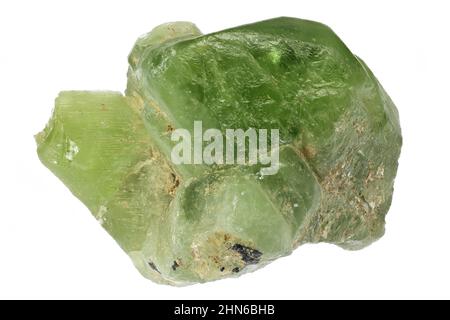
column 340, row 142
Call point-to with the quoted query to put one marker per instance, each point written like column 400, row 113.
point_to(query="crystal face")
column 339, row 133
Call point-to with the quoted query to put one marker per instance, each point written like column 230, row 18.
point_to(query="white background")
column 51, row 247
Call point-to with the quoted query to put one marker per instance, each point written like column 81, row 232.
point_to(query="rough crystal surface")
column 184, row 224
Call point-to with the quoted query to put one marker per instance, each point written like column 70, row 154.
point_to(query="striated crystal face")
column 181, row 223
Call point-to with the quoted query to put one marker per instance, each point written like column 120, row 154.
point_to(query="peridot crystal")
column 339, row 133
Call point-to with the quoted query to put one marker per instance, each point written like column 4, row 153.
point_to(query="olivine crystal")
column 340, row 141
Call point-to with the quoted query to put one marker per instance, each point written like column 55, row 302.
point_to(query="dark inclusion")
column 152, row 265
column 175, row 265
column 248, row 255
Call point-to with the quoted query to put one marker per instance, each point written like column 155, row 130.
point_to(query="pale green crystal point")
column 181, row 224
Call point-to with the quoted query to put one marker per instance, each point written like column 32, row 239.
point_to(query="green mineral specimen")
column 339, row 135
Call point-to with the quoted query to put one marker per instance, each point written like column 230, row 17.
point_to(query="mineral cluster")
column 184, row 223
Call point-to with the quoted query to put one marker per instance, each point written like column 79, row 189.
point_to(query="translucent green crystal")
column 181, row 224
